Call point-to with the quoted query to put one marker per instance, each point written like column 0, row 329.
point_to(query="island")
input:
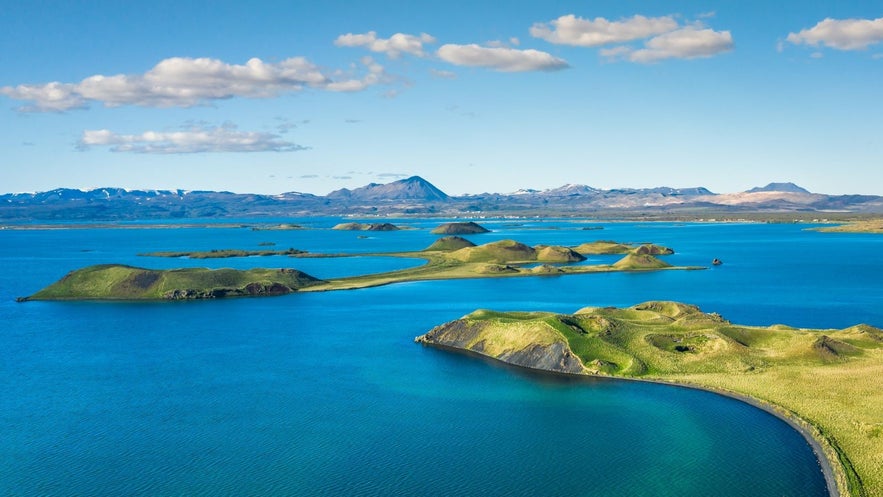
column 121, row 282
column 460, row 228
column 826, row 383
column 224, row 253
column 366, row 227
column 446, row 258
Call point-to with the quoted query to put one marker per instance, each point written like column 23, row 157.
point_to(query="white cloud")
column 842, row 34
column 572, row 30
column 500, row 58
column 393, row 46
column 196, row 139
column 685, row 43
column 185, row 82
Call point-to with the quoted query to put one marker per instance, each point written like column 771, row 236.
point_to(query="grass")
column 493, row 260
column 858, row 226
column 601, row 247
column 828, row 381
column 449, row 243
column 118, row 282
column 459, row 228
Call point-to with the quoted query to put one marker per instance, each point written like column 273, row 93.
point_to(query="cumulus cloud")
column 226, row 138
column 842, row 34
column 185, row 82
column 685, row 43
column 572, row 30
column 393, row 46
column 500, row 58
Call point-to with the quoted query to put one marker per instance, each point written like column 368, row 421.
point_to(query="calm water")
column 326, row 394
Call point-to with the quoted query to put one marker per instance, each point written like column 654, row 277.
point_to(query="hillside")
column 117, row 282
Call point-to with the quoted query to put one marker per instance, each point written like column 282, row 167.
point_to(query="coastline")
column 794, row 421
column 826, row 466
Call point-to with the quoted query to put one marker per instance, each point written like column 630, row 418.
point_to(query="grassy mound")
column 551, row 253
column 511, row 251
column 602, row 247
column 634, row 262
column 650, row 249
column 467, row 228
column 449, row 243
column 118, row 282
column 827, row 379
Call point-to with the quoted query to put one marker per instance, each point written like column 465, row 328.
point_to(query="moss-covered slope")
column 119, row 282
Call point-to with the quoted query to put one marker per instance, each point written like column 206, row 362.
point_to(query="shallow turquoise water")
column 324, row 394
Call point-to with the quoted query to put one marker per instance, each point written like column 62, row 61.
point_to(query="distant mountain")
column 413, row 188
column 778, row 187
column 416, row 196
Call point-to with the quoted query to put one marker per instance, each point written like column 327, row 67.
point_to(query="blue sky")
column 269, row 97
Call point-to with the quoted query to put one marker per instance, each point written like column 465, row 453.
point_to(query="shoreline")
column 792, row 420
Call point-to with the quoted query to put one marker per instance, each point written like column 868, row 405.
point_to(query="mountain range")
column 416, row 196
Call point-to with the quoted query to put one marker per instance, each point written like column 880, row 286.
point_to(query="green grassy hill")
column 828, row 380
column 505, row 251
column 118, row 282
column 460, row 228
column 601, row 247
column 449, row 243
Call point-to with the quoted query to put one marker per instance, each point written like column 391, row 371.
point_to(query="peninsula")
column 825, row 382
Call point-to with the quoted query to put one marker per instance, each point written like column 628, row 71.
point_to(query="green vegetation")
column 601, row 247
column 467, row 228
column 224, row 253
column 493, row 260
column 118, row 282
column 449, row 243
column 511, row 251
column 366, row 227
column 858, row 226
column 826, row 381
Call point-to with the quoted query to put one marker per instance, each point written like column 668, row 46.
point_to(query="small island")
column 120, row 282
column 366, row 227
column 224, row 253
column 824, row 382
column 460, row 228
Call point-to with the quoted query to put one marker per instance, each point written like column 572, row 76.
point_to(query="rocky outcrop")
column 467, row 335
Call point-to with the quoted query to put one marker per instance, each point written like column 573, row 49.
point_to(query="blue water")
column 326, row 394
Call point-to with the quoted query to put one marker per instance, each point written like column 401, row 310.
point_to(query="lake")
column 326, row 393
